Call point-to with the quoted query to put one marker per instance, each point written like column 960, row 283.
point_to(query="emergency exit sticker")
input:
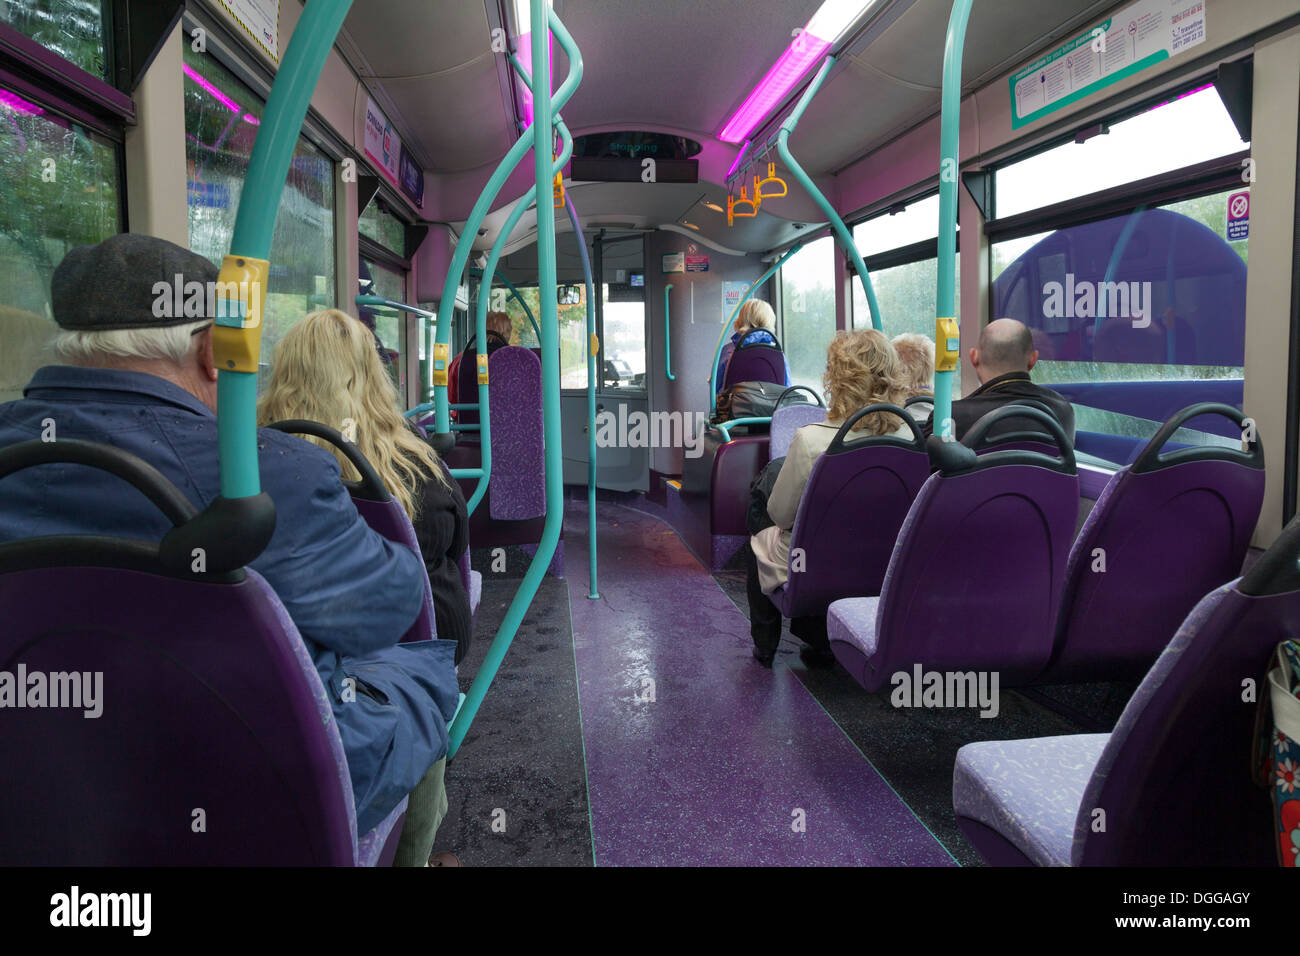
column 1238, row 216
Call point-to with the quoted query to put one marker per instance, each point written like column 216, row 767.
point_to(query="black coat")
column 1008, row 389
column 442, row 530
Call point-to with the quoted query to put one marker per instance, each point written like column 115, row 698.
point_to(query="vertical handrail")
column 947, row 352
column 544, row 107
column 237, row 339
column 722, row 336
column 837, row 224
column 668, row 338
column 593, row 592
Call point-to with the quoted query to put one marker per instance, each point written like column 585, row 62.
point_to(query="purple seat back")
column 788, row 419
column 388, row 519
column 758, row 362
column 1169, row 531
column 849, row 516
column 975, row 580
column 377, row 507
column 1174, row 779
column 518, row 478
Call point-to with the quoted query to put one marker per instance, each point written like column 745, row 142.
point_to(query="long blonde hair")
column 862, row 368
column 327, row 369
column 755, row 314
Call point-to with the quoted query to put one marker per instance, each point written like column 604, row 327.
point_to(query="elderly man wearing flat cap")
column 141, row 377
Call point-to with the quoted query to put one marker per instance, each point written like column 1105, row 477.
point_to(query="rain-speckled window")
column 74, row 29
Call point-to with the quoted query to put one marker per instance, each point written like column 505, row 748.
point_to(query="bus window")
column 42, row 216
column 808, row 311
column 75, row 31
column 902, row 258
column 221, row 120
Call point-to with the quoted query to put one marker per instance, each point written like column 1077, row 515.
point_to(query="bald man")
column 1002, row 361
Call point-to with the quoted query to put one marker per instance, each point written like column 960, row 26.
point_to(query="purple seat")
column 788, row 419
column 756, row 362
column 975, row 578
column 855, row 501
column 473, row 581
column 518, row 482
column 1170, row 528
column 379, row 509
column 1173, row 779
column 210, row 708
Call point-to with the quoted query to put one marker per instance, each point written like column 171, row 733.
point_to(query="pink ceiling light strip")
column 525, row 54
column 211, row 90
column 803, row 52
column 16, row 103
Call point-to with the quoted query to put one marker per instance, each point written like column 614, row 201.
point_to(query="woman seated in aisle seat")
column 327, row 369
column 916, row 358
column 754, row 325
column 862, row 368
column 499, row 329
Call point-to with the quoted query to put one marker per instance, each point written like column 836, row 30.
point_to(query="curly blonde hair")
column 862, row 368
column 755, row 314
column 916, row 355
column 327, row 369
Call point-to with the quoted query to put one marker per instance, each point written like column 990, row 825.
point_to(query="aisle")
column 695, row 754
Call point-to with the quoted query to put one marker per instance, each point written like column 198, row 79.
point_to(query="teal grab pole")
column 268, row 168
column 837, row 224
column 514, row 294
column 722, row 336
column 668, row 340
column 458, row 260
column 593, row 592
column 949, row 141
column 726, row 427
column 543, row 112
column 418, row 410
column 380, row 302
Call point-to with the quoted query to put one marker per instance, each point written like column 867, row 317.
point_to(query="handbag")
column 1277, row 763
column 750, row 400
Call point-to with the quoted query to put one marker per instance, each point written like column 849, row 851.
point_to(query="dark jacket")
column 1007, row 389
column 442, row 529
column 351, row 592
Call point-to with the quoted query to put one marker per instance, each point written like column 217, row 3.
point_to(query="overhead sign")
column 695, row 261
column 260, row 20
column 412, row 177
column 1130, row 40
column 383, row 145
column 1238, row 216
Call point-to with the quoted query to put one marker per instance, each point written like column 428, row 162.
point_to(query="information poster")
column 732, row 293
column 1129, row 41
column 674, row 262
column 383, row 146
column 261, row 20
column 695, row 260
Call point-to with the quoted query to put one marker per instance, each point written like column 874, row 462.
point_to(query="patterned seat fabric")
column 787, row 420
column 1028, row 791
column 851, row 628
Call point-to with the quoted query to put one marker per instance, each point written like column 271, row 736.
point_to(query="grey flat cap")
column 118, row 284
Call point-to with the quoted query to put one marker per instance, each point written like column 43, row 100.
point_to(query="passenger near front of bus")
column 916, row 360
column 1003, row 359
column 327, row 369
column 499, row 330
column 754, row 326
column 862, row 368
column 147, row 384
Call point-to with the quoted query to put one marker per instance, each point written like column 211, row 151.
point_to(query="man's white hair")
column 171, row 343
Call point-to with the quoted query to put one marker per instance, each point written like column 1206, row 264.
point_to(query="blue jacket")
column 728, row 350
column 351, row 592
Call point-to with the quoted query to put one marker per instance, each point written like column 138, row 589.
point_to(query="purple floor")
column 720, row 761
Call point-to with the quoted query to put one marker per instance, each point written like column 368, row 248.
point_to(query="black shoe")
column 764, row 658
column 817, row 657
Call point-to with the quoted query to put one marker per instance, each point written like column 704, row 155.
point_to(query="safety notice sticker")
column 1129, row 41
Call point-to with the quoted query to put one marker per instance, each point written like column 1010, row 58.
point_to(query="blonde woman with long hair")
column 862, row 368
column 755, row 324
column 327, row 369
